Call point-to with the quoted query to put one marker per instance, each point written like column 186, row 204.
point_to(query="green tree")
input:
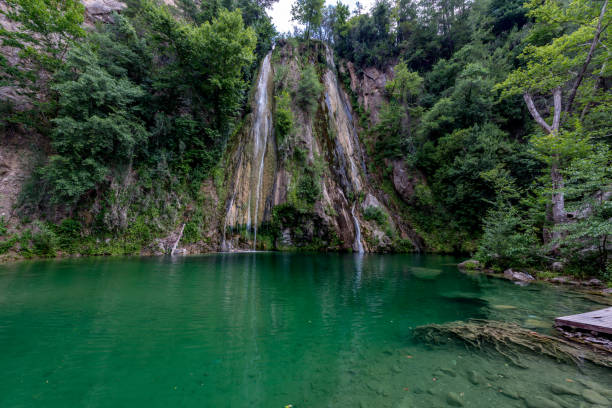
column 42, row 35
column 309, row 13
column 309, row 89
column 561, row 66
column 585, row 238
column 97, row 126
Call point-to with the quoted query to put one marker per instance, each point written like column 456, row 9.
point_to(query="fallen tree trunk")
column 511, row 341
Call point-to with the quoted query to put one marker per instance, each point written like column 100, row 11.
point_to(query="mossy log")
column 511, row 341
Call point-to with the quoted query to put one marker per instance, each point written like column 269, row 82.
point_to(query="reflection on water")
column 267, row 330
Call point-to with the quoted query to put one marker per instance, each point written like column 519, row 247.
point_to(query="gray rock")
column 510, row 394
column 475, row 378
column 454, row 400
column 449, row 371
column 594, row 397
column 406, row 180
column 540, row 402
column 562, row 402
column 558, row 266
column 370, row 202
column 518, row 276
column 593, row 282
column 563, row 389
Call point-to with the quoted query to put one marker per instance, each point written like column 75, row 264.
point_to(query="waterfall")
column 177, row 241
column 244, row 205
column 357, row 245
column 261, row 130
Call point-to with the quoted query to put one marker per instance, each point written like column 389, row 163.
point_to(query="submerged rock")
column 503, row 307
column 562, row 402
column 454, row 400
column 449, row 371
column 540, row 402
column 475, row 378
column 597, row 387
column 537, row 324
column 594, row 397
column 425, row 273
column 564, row 389
column 510, row 394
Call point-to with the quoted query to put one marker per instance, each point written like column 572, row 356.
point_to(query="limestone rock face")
column 405, row 181
column 371, row 202
column 369, row 86
column 101, row 10
column 15, row 167
column 266, row 176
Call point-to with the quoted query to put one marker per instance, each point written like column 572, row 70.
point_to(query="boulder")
column 594, row 397
column 593, row 282
column 370, row 202
column 405, row 180
column 518, row 276
column 540, row 402
column 558, row 266
column 454, row 400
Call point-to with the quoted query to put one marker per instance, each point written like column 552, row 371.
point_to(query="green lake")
column 269, row 330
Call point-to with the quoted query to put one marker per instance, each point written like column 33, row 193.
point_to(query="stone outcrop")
column 101, row 10
column 369, row 86
column 518, row 276
column 406, row 180
column 16, row 160
column 264, row 174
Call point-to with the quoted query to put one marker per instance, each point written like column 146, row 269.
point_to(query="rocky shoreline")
column 522, row 278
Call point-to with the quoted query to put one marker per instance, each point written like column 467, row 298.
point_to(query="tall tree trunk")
column 557, row 197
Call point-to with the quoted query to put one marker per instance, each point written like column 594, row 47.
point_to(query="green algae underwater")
column 272, row 330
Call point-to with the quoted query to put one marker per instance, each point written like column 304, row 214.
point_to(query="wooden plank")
column 598, row 320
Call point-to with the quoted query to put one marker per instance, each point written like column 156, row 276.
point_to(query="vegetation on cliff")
column 498, row 110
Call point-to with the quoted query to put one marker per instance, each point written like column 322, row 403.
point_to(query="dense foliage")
column 500, row 109
column 140, row 109
column 472, row 80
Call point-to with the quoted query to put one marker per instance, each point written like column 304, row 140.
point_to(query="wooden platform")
column 599, row 321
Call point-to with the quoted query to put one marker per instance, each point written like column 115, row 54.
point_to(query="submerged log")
column 511, row 341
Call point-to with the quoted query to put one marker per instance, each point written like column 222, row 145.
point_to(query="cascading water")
column 357, row 245
column 250, row 169
column 261, row 130
column 347, row 140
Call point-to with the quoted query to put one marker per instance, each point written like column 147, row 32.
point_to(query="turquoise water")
column 267, row 330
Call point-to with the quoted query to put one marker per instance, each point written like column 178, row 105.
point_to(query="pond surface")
column 268, row 330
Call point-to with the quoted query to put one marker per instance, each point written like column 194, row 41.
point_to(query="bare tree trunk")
column 557, row 197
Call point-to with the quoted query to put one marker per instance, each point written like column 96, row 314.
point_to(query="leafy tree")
column 309, row 89
column 509, row 238
column 309, row 13
column 563, row 65
column 584, row 239
column 97, row 126
column 42, row 35
column 283, row 118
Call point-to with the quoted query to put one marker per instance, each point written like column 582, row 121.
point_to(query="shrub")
column 309, row 89
column 309, row 188
column 3, row 226
column 375, row 214
column 44, row 240
column 283, row 118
